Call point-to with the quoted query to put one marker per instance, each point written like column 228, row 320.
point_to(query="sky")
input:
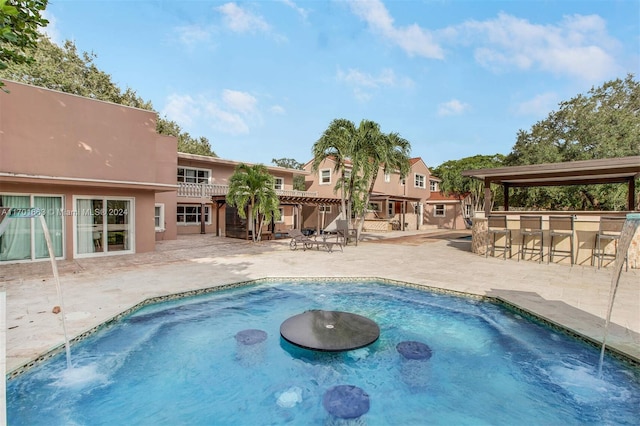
column 263, row 79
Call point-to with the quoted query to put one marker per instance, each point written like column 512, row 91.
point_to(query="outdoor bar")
column 579, row 237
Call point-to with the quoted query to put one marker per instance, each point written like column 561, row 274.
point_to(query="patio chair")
column 497, row 225
column 609, row 231
column 299, row 239
column 561, row 227
column 531, row 229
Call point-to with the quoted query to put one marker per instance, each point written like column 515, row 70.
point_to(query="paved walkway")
column 100, row 288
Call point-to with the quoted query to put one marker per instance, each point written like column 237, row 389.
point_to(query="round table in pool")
column 329, row 331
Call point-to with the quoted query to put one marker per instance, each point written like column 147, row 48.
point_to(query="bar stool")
column 561, row 227
column 531, row 226
column 609, row 231
column 497, row 225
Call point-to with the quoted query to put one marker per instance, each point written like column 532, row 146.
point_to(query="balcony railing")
column 202, row 190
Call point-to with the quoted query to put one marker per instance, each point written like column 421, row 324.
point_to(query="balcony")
column 202, row 190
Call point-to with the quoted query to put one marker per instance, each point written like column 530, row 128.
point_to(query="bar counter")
column 586, row 225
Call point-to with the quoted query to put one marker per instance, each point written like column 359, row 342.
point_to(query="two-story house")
column 395, row 202
column 199, row 205
column 92, row 168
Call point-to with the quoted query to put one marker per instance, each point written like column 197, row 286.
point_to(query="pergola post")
column 631, row 198
column 487, row 198
column 506, row 197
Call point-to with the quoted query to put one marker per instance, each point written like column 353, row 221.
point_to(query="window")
column 103, row 225
column 433, row 185
column 281, row 218
column 419, row 181
column 190, row 215
column 192, row 175
column 325, row 209
column 438, row 210
column 23, row 238
column 325, row 176
column 374, row 207
column 159, row 217
column 278, row 183
column 391, row 211
column 387, row 177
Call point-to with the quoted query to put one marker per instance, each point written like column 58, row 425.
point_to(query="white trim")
column 206, row 206
column 197, row 169
column 424, row 181
column 160, row 228
column 32, row 226
column 281, row 210
column 132, row 228
column 72, row 179
column 275, row 183
column 320, row 182
column 435, row 210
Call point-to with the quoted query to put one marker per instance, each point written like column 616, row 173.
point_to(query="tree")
column 186, row 143
column 366, row 149
column 377, row 150
column 604, row 123
column 454, row 183
column 19, row 22
column 336, row 143
column 251, row 190
column 290, row 163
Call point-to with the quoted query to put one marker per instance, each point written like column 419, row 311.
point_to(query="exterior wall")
column 56, row 144
column 392, row 188
column 220, row 171
column 452, row 218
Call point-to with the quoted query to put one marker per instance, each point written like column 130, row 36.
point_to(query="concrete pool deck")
column 98, row 289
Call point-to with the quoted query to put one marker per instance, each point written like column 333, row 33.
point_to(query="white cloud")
column 452, row 107
column 242, row 102
column 540, row 105
column 182, row 109
column 51, row 30
column 277, row 110
column 414, row 40
column 226, row 121
column 232, row 113
column 302, row 12
column 192, row 35
column 578, row 46
column 240, row 20
column 363, row 83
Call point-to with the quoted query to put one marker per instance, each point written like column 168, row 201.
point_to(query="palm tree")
column 336, row 143
column 389, row 151
column 252, row 188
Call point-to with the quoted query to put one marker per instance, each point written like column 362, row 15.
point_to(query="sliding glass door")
column 24, row 238
column 104, row 225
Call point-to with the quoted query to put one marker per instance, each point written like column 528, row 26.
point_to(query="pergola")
column 589, row 172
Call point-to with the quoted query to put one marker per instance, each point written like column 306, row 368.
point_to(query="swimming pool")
column 179, row 362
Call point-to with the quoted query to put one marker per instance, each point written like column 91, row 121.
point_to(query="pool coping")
column 509, row 305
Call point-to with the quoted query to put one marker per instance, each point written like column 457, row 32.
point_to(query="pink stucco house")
column 107, row 182
column 395, row 203
column 93, row 168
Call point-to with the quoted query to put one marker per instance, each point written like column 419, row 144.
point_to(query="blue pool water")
column 179, row 362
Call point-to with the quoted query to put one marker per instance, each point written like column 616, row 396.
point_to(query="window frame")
column 439, row 210
column 278, row 183
column 161, row 227
column 198, row 180
column 322, row 180
column 207, row 214
column 422, row 184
